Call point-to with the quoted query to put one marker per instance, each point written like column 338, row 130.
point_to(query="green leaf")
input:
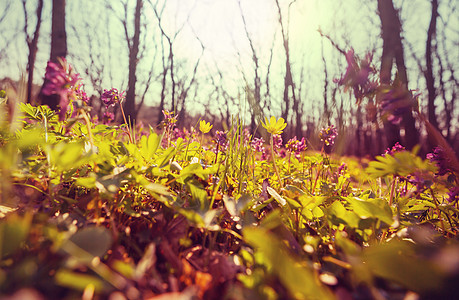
column 30, row 138
column 198, row 194
column 400, row 163
column 230, row 205
column 13, row 233
column 164, row 159
column 78, row 281
column 202, row 219
column 66, row 156
column 276, row 196
column 149, row 145
column 317, row 212
column 349, row 247
column 87, row 182
column 293, row 191
column 311, row 201
column 127, row 269
column 396, row 261
column 297, row 277
column 378, row 209
column 156, row 188
column 294, row 204
column 338, row 214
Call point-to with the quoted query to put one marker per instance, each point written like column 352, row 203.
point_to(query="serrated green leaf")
column 400, row 163
column 371, row 209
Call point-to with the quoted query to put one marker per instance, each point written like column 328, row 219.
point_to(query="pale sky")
column 218, row 24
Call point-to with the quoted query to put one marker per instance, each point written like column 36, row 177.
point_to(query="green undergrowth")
column 88, row 210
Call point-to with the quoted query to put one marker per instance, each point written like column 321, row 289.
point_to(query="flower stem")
column 438, row 210
column 274, row 161
column 392, row 190
column 127, row 124
column 88, row 125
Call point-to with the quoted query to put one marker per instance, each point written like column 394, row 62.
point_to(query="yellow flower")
column 273, row 126
column 204, row 126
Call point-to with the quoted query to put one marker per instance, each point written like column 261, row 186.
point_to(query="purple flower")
column 169, row 120
column 59, row 78
column 80, row 94
column 60, row 81
column 221, row 140
column 282, row 153
column 257, row 144
column 180, row 133
column 396, row 148
column 328, row 135
column 440, row 158
column 220, row 137
column 342, row 169
column 295, row 146
column 357, row 75
column 419, row 180
column 111, row 97
column 108, row 117
column 277, row 141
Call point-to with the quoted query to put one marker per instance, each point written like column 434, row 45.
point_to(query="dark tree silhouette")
column 428, row 73
column 58, row 46
column 289, row 86
column 133, row 45
column 256, row 80
column 393, row 51
column 32, row 44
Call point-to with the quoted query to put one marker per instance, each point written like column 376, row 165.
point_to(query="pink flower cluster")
column 62, row 81
column 277, row 141
column 328, row 135
column 440, row 158
column 296, row 146
column 257, row 144
column 358, row 75
column 111, row 97
column 396, row 148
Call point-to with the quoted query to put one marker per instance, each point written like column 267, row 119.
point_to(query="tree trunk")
column 32, row 45
column 58, row 33
column 430, row 81
column 288, row 79
column 393, row 51
column 58, row 46
column 325, row 93
column 133, row 59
